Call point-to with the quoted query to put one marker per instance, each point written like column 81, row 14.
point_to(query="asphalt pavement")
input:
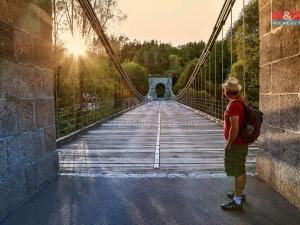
column 72, row 200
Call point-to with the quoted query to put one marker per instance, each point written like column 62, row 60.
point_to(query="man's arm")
column 233, row 132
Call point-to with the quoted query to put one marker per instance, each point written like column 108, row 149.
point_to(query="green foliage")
column 175, row 68
column 161, row 58
column 184, row 77
column 83, row 80
column 247, row 55
column 190, row 51
column 138, row 75
column 86, row 90
column 92, row 79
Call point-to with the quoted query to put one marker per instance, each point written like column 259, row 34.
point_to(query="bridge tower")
column 160, row 86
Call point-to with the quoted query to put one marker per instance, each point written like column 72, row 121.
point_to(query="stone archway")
column 160, row 87
column 160, row 90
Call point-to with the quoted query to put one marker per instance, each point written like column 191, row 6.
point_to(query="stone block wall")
column 278, row 161
column 27, row 127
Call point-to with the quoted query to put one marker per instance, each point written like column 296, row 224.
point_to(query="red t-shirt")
column 234, row 108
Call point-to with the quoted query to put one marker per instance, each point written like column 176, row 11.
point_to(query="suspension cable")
column 198, row 88
column 231, row 41
column 92, row 17
column 225, row 11
column 222, row 96
column 244, row 49
column 209, row 74
column 215, row 86
column 205, row 82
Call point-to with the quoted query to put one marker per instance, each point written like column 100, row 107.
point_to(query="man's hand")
column 233, row 132
column 227, row 147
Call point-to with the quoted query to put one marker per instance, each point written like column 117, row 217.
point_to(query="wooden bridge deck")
column 188, row 145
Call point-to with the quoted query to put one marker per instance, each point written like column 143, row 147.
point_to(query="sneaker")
column 232, row 206
column 231, row 196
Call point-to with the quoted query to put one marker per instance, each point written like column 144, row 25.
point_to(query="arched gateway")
column 160, row 87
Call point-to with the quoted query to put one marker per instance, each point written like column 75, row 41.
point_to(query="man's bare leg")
column 240, row 183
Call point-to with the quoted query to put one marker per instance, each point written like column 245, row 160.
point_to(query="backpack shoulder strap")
column 238, row 100
column 242, row 102
column 245, row 111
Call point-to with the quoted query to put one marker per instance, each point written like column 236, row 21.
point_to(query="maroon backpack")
column 253, row 120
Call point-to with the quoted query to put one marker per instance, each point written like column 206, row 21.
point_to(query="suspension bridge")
column 95, row 145
column 157, row 138
column 162, row 136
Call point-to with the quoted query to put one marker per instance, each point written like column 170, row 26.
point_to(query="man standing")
column 236, row 150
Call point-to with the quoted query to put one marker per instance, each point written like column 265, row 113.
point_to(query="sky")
column 171, row 21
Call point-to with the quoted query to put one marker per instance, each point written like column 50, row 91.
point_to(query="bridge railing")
column 71, row 119
column 212, row 107
column 89, row 87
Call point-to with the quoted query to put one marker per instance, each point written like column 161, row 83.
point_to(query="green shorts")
column 235, row 160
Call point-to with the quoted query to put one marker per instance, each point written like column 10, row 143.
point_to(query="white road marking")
column 156, row 155
column 180, row 146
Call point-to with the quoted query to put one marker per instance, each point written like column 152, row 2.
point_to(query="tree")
column 138, row 76
column 184, row 77
column 175, row 67
column 82, row 79
column 246, row 50
column 68, row 16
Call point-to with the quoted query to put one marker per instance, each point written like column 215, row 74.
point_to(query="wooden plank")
column 180, row 142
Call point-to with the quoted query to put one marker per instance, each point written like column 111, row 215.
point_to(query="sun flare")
column 76, row 46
